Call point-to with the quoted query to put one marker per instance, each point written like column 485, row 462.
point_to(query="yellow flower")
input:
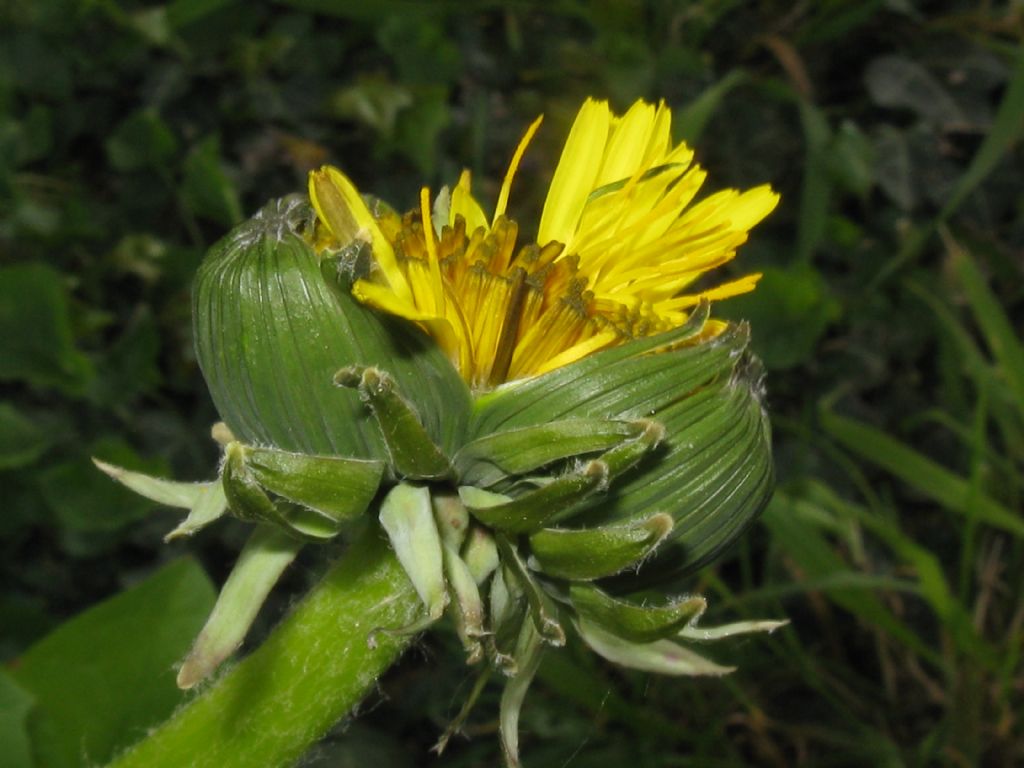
column 618, row 246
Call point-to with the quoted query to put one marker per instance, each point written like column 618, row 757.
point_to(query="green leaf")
column 689, row 122
column 22, row 441
column 816, row 190
column 33, row 296
column 104, row 678
column 917, row 470
column 1000, row 336
column 15, row 705
column 206, row 189
column 630, row 621
column 795, row 535
column 85, row 500
column 790, row 310
column 142, row 141
column 1006, row 130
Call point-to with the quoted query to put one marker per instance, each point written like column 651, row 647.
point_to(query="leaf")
column 33, row 296
column 691, row 120
column 926, row 476
column 790, row 312
column 104, row 678
column 15, row 705
column 142, row 141
column 898, row 82
column 1006, row 130
column 22, row 441
column 815, row 193
column 206, row 189
column 1000, row 336
column 797, row 536
column 85, row 500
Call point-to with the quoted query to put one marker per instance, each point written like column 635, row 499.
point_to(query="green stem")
column 308, row 674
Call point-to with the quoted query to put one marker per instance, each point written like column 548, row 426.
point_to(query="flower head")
column 616, row 254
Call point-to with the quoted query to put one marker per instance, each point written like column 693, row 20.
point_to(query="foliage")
column 132, row 136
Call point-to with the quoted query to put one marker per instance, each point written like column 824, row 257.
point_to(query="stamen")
column 509, row 328
column 432, row 260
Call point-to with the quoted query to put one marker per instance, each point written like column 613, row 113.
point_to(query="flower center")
column 520, row 310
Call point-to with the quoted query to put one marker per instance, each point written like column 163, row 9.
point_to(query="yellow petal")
column 513, row 166
column 382, row 298
column 574, row 177
column 465, row 205
column 627, row 144
column 338, row 204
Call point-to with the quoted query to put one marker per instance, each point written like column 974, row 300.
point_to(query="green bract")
column 273, row 322
column 528, row 510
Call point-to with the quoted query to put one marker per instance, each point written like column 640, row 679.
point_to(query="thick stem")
column 311, row 671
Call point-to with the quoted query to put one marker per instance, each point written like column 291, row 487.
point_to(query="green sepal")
column 338, row 488
column 489, row 460
column 263, row 559
column 528, row 653
column 452, row 519
column 629, row 453
column 464, row 712
column 542, row 610
column 594, row 553
column 709, row 634
column 533, row 509
column 480, row 553
column 636, row 623
column 467, row 608
column 412, row 452
column 713, row 472
column 408, row 519
column 204, row 501
column 662, row 657
column 272, row 323
column 247, row 500
column 508, row 612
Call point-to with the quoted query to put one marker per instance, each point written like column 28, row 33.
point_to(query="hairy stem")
column 312, row 670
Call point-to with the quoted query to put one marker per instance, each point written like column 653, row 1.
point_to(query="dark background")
column 132, row 136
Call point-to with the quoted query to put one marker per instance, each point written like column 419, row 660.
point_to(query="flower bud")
column 274, row 321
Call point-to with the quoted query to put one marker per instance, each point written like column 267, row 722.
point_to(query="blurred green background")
column 133, row 135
